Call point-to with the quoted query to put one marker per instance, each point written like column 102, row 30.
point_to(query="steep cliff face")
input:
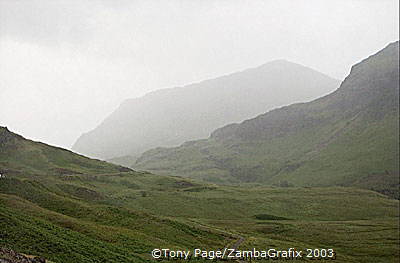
column 338, row 139
column 170, row 117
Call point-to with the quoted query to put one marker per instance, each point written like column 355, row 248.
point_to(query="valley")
column 122, row 217
column 319, row 176
column 83, row 215
column 346, row 138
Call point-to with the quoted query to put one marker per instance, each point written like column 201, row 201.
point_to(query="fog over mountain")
column 170, row 117
column 199, row 130
column 67, row 64
column 349, row 138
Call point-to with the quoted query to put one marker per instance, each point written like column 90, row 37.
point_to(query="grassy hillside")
column 347, row 138
column 104, row 215
column 75, row 231
column 19, row 155
column 43, row 212
column 122, row 217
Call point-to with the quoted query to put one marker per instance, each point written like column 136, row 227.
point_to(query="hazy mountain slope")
column 338, row 139
column 170, row 117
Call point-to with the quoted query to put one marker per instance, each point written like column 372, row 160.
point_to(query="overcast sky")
column 66, row 65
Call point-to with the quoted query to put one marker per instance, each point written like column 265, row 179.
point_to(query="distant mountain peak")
column 280, row 61
column 169, row 117
column 349, row 137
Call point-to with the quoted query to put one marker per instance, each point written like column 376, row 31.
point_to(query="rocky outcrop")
column 10, row 256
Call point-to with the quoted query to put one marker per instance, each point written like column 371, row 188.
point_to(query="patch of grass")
column 269, row 217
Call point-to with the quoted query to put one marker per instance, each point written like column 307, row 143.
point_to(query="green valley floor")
column 123, row 216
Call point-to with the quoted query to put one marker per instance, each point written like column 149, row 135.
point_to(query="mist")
column 66, row 65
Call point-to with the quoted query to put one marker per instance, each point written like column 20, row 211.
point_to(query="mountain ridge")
column 68, row 208
column 333, row 140
column 168, row 117
column 18, row 154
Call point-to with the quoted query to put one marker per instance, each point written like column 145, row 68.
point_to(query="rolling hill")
column 169, row 117
column 347, row 138
column 18, row 155
column 68, row 208
column 50, row 206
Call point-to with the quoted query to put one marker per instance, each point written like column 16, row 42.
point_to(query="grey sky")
column 66, row 65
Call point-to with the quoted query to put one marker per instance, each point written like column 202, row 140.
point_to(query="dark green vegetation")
column 18, row 155
column 347, row 138
column 69, row 208
column 83, row 216
column 63, row 217
column 169, row 117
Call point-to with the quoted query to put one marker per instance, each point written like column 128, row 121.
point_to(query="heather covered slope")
column 349, row 137
column 169, row 117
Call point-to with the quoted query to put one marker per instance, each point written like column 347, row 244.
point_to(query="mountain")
column 349, row 137
column 67, row 208
column 19, row 155
column 169, row 117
